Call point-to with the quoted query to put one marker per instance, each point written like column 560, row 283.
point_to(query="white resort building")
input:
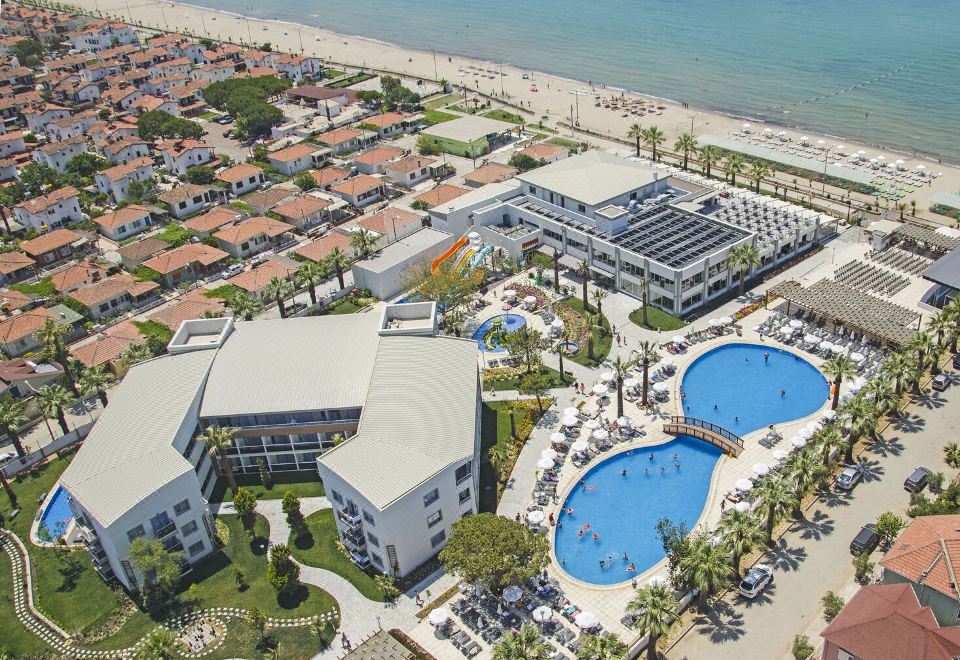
column 406, row 399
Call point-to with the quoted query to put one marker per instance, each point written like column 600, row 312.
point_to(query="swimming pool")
column 57, row 512
column 624, row 510
column 738, row 386
column 509, row 323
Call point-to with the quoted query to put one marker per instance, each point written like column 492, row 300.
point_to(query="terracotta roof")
column 116, row 146
column 122, row 216
column 931, row 546
column 329, row 175
column 11, row 370
column 294, row 152
column 142, row 248
column 318, row 250
column 76, row 274
column 149, row 102
column 212, row 219
column 108, row 345
column 543, row 151
column 182, row 192
column 391, row 218
column 23, row 325
column 177, row 147
column 302, row 206
column 384, row 120
column 51, row 241
column 886, row 621
column 410, row 163
column 267, row 199
column 358, row 184
column 441, row 194
column 377, row 155
column 189, row 308
column 110, row 288
column 339, row 136
column 247, row 229
column 38, row 205
column 177, row 258
column 12, row 300
column 118, row 172
column 11, row 262
column 239, row 173
column 255, row 279
column 490, row 173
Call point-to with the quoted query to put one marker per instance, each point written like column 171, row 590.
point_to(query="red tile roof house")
column 114, row 295
column 392, row 222
column 191, row 306
column 927, row 556
column 178, row 155
column 886, row 622
column 51, row 210
column 305, row 211
column 345, row 140
column 211, row 221
column 108, row 345
column 17, row 332
column 76, row 275
column 58, row 154
column 321, row 248
column 14, row 267
column 362, row 190
column 253, row 236
column 123, row 150
column 124, row 222
column 187, row 263
column 256, row 279
column 136, row 252
column 242, row 178
column 547, row 153
column 440, row 195
column 409, row 171
column 188, row 198
column 330, row 176
column 298, row 158
column 50, row 249
column 114, row 181
column 390, row 123
column 489, row 173
column 24, row 377
column 12, row 143
column 373, row 160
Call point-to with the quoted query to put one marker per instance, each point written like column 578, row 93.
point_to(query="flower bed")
column 524, row 290
column 574, row 324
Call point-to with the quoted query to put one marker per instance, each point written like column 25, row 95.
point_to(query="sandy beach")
column 555, row 99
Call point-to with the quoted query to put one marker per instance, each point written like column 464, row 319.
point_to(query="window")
column 464, row 495
column 434, row 518
column 182, row 507
column 463, row 472
column 189, row 528
column 196, row 548
column 431, row 497
column 104, row 307
column 337, row 497
column 368, row 518
column 531, row 189
column 581, row 208
column 375, row 558
column 136, row 532
column 437, row 539
column 374, row 541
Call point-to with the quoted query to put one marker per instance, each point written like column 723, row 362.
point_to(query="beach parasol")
column 760, row 469
column 726, row 320
column 796, row 323
column 545, row 464
column 557, row 323
column 571, row 412
column 858, row 357
column 813, row 340
column 535, row 517
column 744, row 485
column 742, row 507
column 715, row 323
column 601, row 434
column 624, row 421
column 829, row 414
column 512, row 594
column 600, row 389
column 509, row 293
column 592, row 424
column 836, row 349
column 542, row 614
column 530, row 300
column 666, row 362
column 558, row 437
column 570, row 421
column 786, row 331
column 438, row 616
column 606, row 376
column 805, row 433
column 586, row 620
column 549, row 453
column 579, row 445
column 678, row 339
column 779, row 454
column 657, row 581
column 631, row 382
column 798, row 442
column 660, row 387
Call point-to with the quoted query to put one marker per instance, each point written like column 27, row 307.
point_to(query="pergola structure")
column 936, row 240
column 852, row 308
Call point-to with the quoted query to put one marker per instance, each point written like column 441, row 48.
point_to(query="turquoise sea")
column 751, row 58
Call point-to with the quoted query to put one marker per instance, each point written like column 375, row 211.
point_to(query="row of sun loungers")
column 865, row 277
column 898, row 259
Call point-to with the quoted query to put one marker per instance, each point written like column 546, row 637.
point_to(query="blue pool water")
column 745, row 388
column 511, row 323
column 57, row 511
column 624, row 510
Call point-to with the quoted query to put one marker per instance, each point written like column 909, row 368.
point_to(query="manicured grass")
column 346, row 307
column 208, row 115
column 602, row 339
column 495, row 431
column 302, row 484
column 351, row 80
column 318, row 547
column 16, row 640
column 503, row 115
column 290, row 643
column 564, row 142
column 431, row 117
column 514, row 383
column 656, row 319
column 333, row 73
column 43, row 288
column 440, row 101
column 223, row 292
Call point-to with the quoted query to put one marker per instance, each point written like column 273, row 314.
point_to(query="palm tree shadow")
column 909, row 423
column 886, row 447
column 816, row 526
column 872, row 470
column 930, row 401
column 835, row 498
column 723, row 623
column 765, row 597
column 786, row 558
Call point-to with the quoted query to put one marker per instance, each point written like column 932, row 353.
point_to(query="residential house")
column 330, row 176
column 409, row 171
column 330, row 102
column 52, row 248
column 242, row 178
column 545, row 153
column 392, row 223
column 114, row 295
column 12, row 301
column 373, row 161
column 122, row 151
column 253, row 236
column 12, row 143
column 101, row 35
column 390, row 124
column 148, row 103
column 188, row 198
column 255, row 280
column 344, row 140
column 18, row 332
column 15, row 267
column 321, row 248
column 21, row 378
column 72, row 126
column 211, row 221
column 121, row 98
column 305, row 211
column 489, row 173
column 144, row 248
column 124, row 222
column 76, row 275
column 58, row 154
column 54, row 209
column 266, row 199
column 214, row 72
column 362, row 190
column 440, row 195
column 38, row 117
column 115, row 181
column 178, row 155
column 297, row 67
column 187, row 263
column 298, row 157
column 107, row 346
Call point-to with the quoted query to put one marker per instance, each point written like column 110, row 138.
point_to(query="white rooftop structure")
column 592, row 178
column 468, row 129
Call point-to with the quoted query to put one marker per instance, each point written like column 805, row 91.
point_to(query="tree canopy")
column 524, row 163
column 395, row 94
column 159, row 124
column 451, row 289
column 246, row 100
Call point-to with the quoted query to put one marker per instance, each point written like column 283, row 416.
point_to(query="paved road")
column 813, row 557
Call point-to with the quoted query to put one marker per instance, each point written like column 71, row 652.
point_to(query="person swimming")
column 569, row 511
column 626, row 557
column 623, row 472
column 602, row 563
column 650, row 456
column 580, row 532
column 783, row 393
column 646, row 470
column 596, row 537
column 663, row 469
column 586, row 526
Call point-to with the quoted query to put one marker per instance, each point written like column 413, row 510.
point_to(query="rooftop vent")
column 200, row 334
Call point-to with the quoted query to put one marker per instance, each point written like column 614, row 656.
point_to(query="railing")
column 299, row 422
column 347, row 517
column 704, row 430
column 165, row 530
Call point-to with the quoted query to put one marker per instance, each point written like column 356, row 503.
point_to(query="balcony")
column 298, row 422
column 355, row 536
column 173, row 544
column 360, row 559
column 350, row 518
column 166, row 530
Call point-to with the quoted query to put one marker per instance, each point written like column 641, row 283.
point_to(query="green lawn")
column 656, row 319
column 564, row 142
column 208, row 115
column 503, row 115
column 431, row 117
column 495, row 430
column 290, row 643
column 602, row 339
column 333, row 73
column 514, row 383
column 318, row 548
column 302, row 484
column 440, row 101
column 17, row 640
column 43, row 288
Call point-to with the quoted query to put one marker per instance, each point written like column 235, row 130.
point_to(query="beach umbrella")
column 666, row 362
column 805, row 433
column 742, row 507
column 821, row 143
column 545, row 464
column 600, row 389
column 715, row 323
column 825, row 345
column 829, row 414
column 657, row 581
column 535, row 517
column 858, row 357
column 760, row 469
column 512, row 594
column 786, row 331
column 839, row 148
column 854, row 388
column 861, row 381
column 678, row 339
column 921, row 167
column 660, row 387
column 836, row 349
column 796, row 323
column 798, row 442
column 438, row 616
column 601, row 434
column 549, row 454
column 530, row 300
column 726, row 320
column 813, row 340
column 631, row 382
column 592, row 424
column 570, row 421
column 746, row 128
column 899, row 163
column 804, row 139
column 813, row 427
column 571, row 412
column 779, row 454
column 579, row 445
column 557, row 323
column 509, row 293
column 624, row 421
column 744, row 485
column 586, row 620
column 558, row 437
column 542, row 614
column 606, row 376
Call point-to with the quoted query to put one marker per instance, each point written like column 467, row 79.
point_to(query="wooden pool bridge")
column 701, row 429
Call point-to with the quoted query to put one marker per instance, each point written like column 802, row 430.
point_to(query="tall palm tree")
column 861, row 415
column 952, row 309
column 880, row 391
column 244, row 305
column 803, row 471
column 777, row 496
column 621, row 369
column 218, row 439
column 97, row 379
column 709, row 156
column 685, row 144
column 12, row 496
column 758, row 172
column 598, row 296
column 53, row 400
column 593, row 323
column 733, row 166
column 556, row 270
column 12, row 417
column 705, row 566
column 51, row 336
column 743, row 257
column 338, row 261
column 741, row 534
column 829, row 440
column 658, row 608
column 646, row 355
column 135, row 353
column 498, row 455
column 596, row 647
column 898, row 366
column 838, row 368
column 583, row 272
column 654, row 137
column 522, row 645
column 636, row 133
column 310, row 274
column 279, row 289
column 951, row 455
column 644, row 285
column 558, row 349
column 942, row 325
column 363, row 241
column 921, row 344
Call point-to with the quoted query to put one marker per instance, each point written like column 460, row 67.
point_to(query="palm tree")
column 898, row 366
column 830, row 440
column 338, row 261
column 803, row 470
column 658, row 609
column 685, row 144
column 558, row 349
column 733, row 166
column 362, row 241
column 705, row 566
column 279, row 289
column 521, row 645
column 880, row 391
column 97, row 379
column 646, row 355
column 598, row 295
column 595, row 647
column 636, row 133
column 245, row 305
column 135, row 353
column 837, row 368
column 777, row 497
column 556, row 270
column 310, row 274
column 644, row 285
column 741, row 534
column 158, row 645
column 951, row 455
column 12, row 496
column 921, row 345
column 743, row 257
column 498, row 456
column 12, row 417
column 862, row 417
column 583, row 272
column 593, row 323
column 942, row 325
column 952, row 309
column 654, row 137
column 709, row 156
column 218, row 439
column 758, row 172
column 52, row 400
column 621, row 369
column 51, row 336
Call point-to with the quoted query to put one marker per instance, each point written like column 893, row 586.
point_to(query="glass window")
column 434, row 518
column 437, row 539
column 182, row 507
column 374, row 541
column 196, row 548
column 375, row 558
column 136, row 532
column 431, row 497
column 189, row 528
column 464, row 495
column 368, row 518
column 463, row 472
column 337, row 497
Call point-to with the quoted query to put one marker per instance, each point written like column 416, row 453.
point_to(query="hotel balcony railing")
column 355, row 534
column 176, row 546
column 106, row 573
column 299, row 422
column 169, row 528
column 354, row 544
column 360, row 559
column 352, row 519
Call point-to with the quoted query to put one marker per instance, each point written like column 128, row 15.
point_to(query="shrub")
column 832, row 604
column 863, row 568
column 802, row 648
column 222, row 532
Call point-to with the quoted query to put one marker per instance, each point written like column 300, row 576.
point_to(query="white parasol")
column 570, row 421
column 530, row 300
column 591, row 424
column 438, row 616
column 657, row 581
column 744, row 485
column 726, row 320
column 760, row 469
column 579, row 445
column 558, row 437
column 509, row 293
column 535, row 517
column 545, row 464
column 600, row 389
column 512, row 594
column 549, row 453
column 813, row 340
column 715, row 323
column 798, row 442
column 858, row 357
column 542, row 614
column 829, row 414
column 666, row 362
column 571, row 411
column 606, row 376
column 624, row 421
column 660, row 387
column 796, row 323
column 742, row 507
column 586, row 620
column 836, row 349
column 678, row 339
column 601, row 434
column 779, row 454
column 631, row 382
column 786, row 331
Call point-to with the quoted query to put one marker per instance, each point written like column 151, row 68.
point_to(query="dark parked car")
column 866, row 540
column 917, row 480
column 956, row 361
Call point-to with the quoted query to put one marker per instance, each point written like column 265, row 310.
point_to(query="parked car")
column 231, row 270
column 850, row 477
column 956, row 361
column 755, row 581
column 917, row 480
column 940, row 382
column 5, row 457
column 866, row 540
column 224, row 119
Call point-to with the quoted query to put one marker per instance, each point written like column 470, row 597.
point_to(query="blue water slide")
column 478, row 258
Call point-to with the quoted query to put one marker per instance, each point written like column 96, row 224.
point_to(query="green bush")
column 802, row 648
column 832, row 605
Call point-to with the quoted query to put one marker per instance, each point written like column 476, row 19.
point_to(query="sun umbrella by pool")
column 660, row 387
column 548, row 453
column 678, row 339
column 744, row 485
column 657, row 581
column 558, row 437
column 826, row 346
column 586, row 620
column 813, row 340
column 715, row 323
column 796, row 323
column 510, row 293
column 545, row 464
column 805, row 433
column 600, row 389
column 535, row 517
column 606, row 376
column 631, row 382
column 836, row 349
column 798, row 442
column 579, row 445
column 829, row 414
column 858, row 357
column 530, row 300
column 855, row 387
column 786, row 331
column 601, row 434
column 624, row 421
column 666, row 362
column 591, row 424
column 512, row 594
column 438, row 616
column 570, row 412
column 542, row 614
column 557, row 323
column 760, row 469
column 742, row 507
column 779, row 454
column 726, row 320
column 570, row 421
column 814, row 426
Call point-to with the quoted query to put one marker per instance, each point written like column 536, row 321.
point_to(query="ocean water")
column 752, row 58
